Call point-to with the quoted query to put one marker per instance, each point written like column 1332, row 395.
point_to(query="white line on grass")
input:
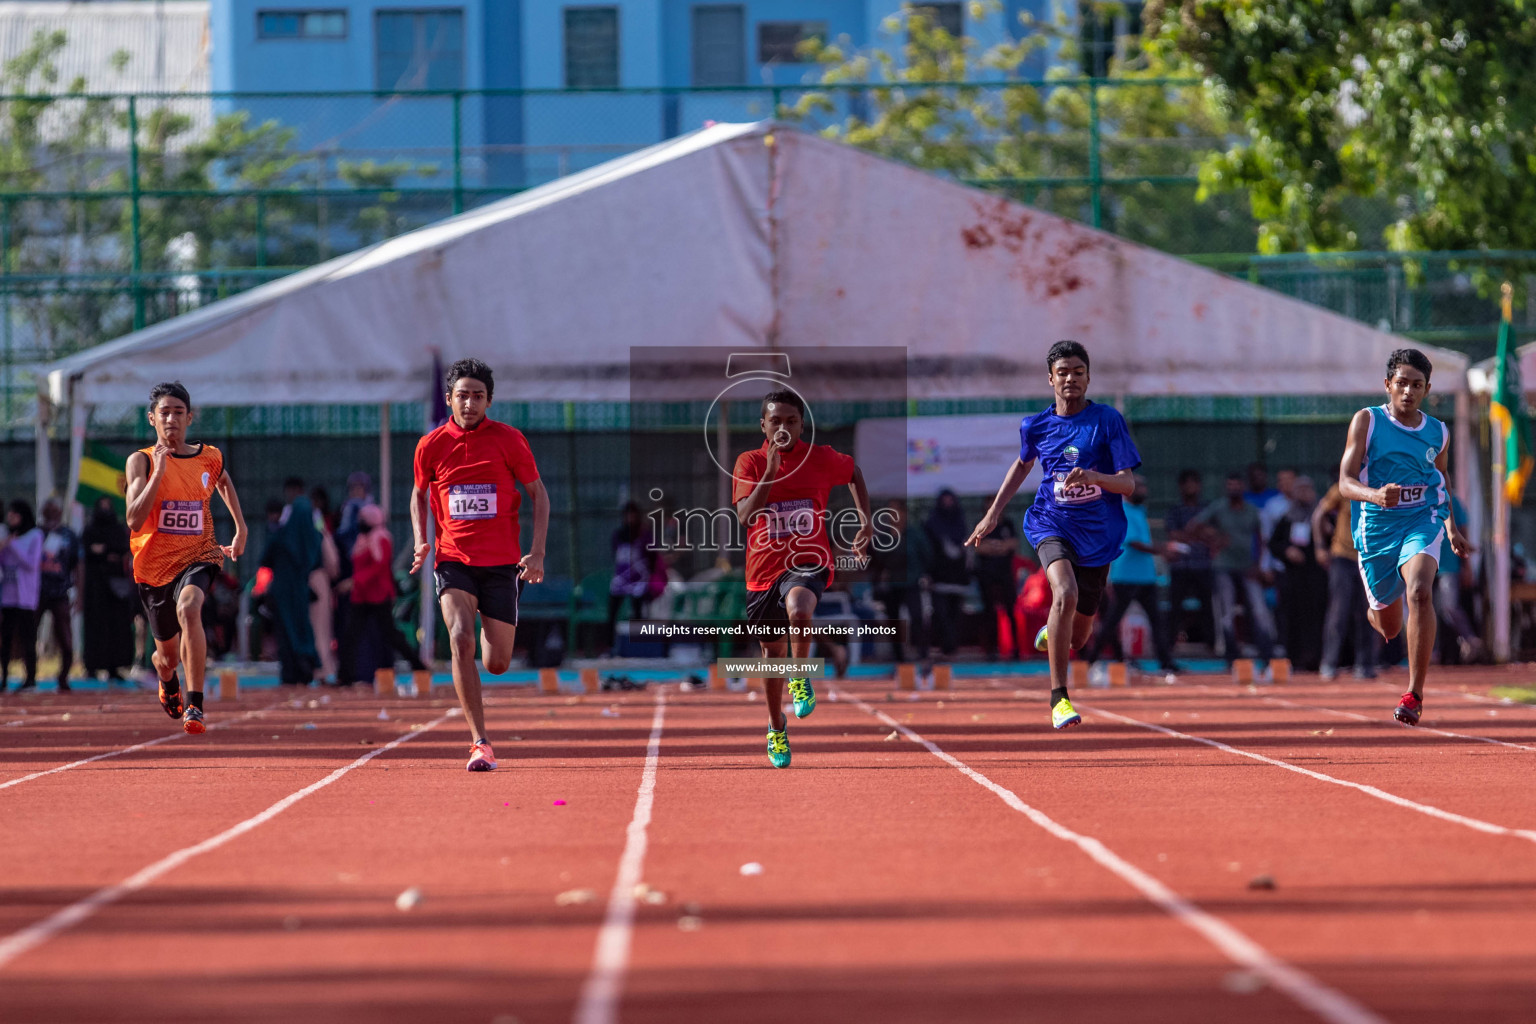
column 1380, row 794
column 34, row 935
column 128, row 750
column 599, row 1002
column 1328, row 1003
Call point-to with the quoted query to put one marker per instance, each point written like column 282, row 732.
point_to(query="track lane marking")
column 34, row 935
column 1328, row 1003
column 599, row 1002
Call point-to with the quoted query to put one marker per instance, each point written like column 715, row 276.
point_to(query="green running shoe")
column 1041, row 641
column 778, row 746
column 1063, row 715
column 805, row 697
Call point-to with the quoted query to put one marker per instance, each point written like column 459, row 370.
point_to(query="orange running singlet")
column 179, row 529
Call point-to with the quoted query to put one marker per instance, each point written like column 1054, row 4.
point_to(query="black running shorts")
column 160, row 602
column 495, row 587
column 767, row 607
column 1091, row 579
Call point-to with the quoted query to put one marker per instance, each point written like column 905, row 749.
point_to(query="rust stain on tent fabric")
column 1048, row 269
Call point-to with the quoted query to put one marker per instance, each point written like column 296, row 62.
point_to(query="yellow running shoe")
column 1041, row 641
column 778, row 746
column 1064, row 716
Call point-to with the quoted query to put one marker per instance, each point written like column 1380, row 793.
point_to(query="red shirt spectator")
column 791, row 530
column 470, row 478
column 373, row 580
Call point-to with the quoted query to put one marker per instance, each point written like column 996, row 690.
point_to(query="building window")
column 591, row 47
column 719, row 44
column 1109, row 32
column 301, row 24
column 949, row 17
column 420, row 49
column 778, row 42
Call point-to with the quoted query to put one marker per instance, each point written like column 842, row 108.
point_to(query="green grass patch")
column 1523, row 694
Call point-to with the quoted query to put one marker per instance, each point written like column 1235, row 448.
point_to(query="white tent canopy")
column 742, row 236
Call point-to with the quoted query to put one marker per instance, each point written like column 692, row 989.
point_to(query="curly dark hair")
column 1409, row 357
column 1066, row 350
column 474, row 369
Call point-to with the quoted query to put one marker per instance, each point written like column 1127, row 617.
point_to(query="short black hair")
column 1235, row 475
column 294, row 483
column 1186, row 475
column 475, row 369
column 23, row 508
column 783, row 396
column 1066, row 350
column 1409, row 357
column 173, row 389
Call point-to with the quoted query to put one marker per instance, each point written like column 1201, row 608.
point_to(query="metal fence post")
column 1094, row 177
column 136, row 249
column 458, row 151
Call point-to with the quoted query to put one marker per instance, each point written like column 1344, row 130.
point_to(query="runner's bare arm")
column 1459, row 542
column 532, row 562
column 754, row 503
column 226, row 488
column 861, row 502
column 419, row 513
column 1011, row 484
column 143, row 484
column 1121, row 483
column 1354, row 456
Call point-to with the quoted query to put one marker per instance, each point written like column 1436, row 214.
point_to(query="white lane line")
column 1382, row 720
column 599, row 1003
column 1380, row 794
column 128, row 750
column 1328, row 1003
column 34, row 935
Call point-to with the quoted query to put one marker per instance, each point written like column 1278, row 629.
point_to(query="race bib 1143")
column 180, row 517
column 472, row 501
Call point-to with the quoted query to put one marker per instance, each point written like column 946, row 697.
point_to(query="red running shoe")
column 481, row 759
column 192, row 720
column 1408, row 709
column 170, row 700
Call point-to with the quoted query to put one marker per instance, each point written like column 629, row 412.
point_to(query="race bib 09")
column 1076, row 494
column 1411, row 497
column 791, row 518
column 472, row 501
column 181, row 517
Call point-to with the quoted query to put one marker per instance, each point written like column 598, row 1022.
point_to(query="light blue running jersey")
column 1396, row 454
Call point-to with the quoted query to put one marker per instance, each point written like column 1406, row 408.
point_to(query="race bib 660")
column 472, row 501
column 183, row 517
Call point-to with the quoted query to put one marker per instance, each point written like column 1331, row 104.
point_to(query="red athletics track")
column 1104, row 876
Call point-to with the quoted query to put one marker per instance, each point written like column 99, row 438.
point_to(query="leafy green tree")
column 1407, row 123
column 1034, row 140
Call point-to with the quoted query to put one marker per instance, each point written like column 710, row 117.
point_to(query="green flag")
column 1508, row 409
column 103, row 474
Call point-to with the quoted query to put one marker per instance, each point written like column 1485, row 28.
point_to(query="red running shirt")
column 470, row 478
column 791, row 530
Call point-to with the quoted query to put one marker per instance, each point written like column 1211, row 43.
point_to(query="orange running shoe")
column 481, row 758
column 170, row 700
column 192, row 719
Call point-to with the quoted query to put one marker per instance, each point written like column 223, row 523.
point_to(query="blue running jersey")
column 1397, row 454
column 1091, row 519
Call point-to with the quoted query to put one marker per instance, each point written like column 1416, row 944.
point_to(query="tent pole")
column 79, row 413
column 1498, row 581
column 384, row 475
column 1461, row 445
column 43, row 458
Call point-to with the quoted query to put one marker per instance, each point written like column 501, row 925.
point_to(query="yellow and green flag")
column 1508, row 409
column 103, row 474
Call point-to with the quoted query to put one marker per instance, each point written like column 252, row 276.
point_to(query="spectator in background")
column 322, row 579
column 633, row 565
column 893, row 573
column 292, row 553
column 946, row 571
column 1189, row 564
column 1133, row 577
column 1304, row 582
column 1258, row 492
column 998, row 582
column 373, row 600
column 1452, row 578
column 108, row 597
column 21, row 557
column 1335, row 548
column 359, row 494
column 58, row 594
column 1232, row 529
